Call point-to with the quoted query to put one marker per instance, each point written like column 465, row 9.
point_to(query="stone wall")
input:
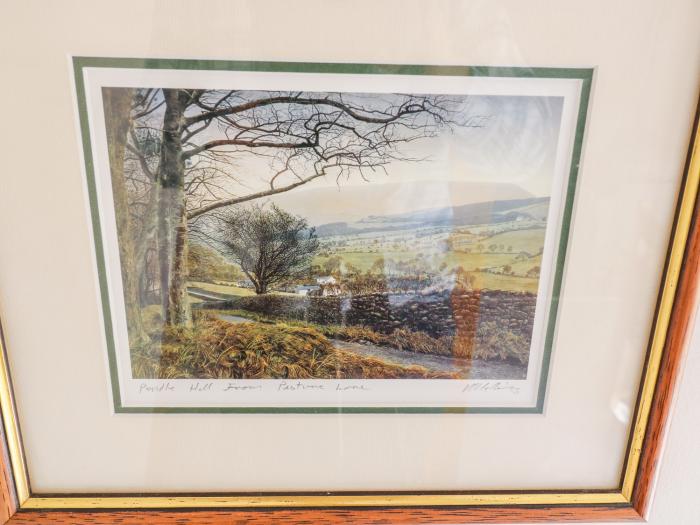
column 444, row 314
column 319, row 310
column 325, row 310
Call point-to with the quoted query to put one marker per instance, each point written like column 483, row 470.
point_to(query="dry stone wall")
column 441, row 314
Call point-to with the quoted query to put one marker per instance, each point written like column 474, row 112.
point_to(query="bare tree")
column 302, row 135
column 271, row 246
column 117, row 106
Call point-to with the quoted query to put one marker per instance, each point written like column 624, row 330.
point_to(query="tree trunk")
column 146, row 240
column 117, row 105
column 172, row 236
column 179, row 307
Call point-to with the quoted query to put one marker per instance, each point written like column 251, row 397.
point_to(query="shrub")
column 285, row 306
column 321, row 310
column 494, row 342
column 421, row 342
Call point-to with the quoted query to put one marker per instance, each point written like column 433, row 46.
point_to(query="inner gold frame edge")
column 362, row 500
column 686, row 208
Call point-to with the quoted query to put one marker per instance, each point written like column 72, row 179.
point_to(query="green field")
column 472, row 261
column 495, row 252
column 530, row 241
column 522, row 267
column 469, row 261
column 364, row 260
column 509, row 283
column 228, row 289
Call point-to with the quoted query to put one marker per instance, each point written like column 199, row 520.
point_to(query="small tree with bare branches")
column 270, row 245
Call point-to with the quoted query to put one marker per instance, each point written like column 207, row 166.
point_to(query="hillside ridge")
column 464, row 215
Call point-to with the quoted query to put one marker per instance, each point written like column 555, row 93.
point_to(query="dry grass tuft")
column 401, row 339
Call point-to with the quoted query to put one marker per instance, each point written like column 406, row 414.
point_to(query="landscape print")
column 329, row 235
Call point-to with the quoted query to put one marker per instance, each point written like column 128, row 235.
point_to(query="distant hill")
column 534, row 208
column 354, row 202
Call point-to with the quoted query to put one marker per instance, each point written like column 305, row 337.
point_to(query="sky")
column 512, row 156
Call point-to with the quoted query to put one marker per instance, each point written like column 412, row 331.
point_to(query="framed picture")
column 370, row 265
column 328, row 287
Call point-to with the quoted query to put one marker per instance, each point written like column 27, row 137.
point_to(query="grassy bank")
column 490, row 342
column 227, row 289
column 215, row 349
